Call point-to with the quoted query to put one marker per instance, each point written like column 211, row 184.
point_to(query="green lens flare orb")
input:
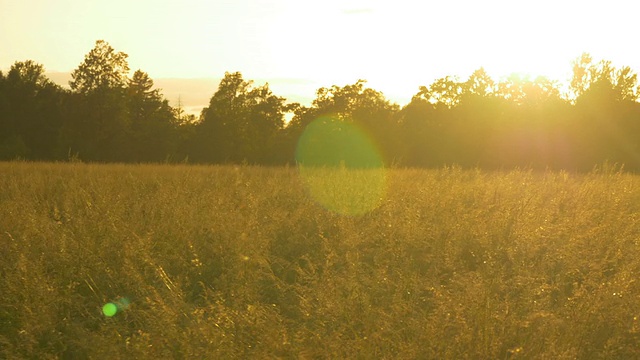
column 341, row 166
column 109, row 309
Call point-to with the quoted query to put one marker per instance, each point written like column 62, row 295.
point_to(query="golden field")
column 257, row 262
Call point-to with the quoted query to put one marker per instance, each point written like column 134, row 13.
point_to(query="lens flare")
column 122, row 304
column 112, row 308
column 109, row 309
column 341, row 167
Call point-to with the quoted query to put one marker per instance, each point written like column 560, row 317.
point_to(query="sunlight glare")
column 341, row 167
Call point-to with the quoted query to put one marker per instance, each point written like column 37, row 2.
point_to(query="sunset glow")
column 337, row 179
column 300, row 46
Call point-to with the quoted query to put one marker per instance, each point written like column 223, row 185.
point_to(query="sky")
column 298, row 46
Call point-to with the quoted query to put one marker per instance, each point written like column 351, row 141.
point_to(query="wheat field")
column 281, row 263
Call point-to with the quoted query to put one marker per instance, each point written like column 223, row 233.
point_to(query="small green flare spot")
column 109, row 309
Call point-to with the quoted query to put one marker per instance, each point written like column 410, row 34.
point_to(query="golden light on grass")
column 344, row 191
column 341, row 167
column 511, row 263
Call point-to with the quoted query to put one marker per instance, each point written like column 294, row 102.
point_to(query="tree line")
column 109, row 116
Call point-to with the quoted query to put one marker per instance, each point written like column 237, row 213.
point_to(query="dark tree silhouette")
column 606, row 106
column 153, row 124
column 102, row 67
column 30, row 113
column 354, row 104
column 240, row 124
column 97, row 121
column 516, row 121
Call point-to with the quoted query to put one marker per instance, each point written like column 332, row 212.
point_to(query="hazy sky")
column 298, row 45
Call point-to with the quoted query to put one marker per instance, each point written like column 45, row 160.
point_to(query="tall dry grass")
column 236, row 262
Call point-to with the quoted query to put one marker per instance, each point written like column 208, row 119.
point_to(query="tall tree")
column 152, row 121
column 603, row 79
column 606, row 107
column 97, row 126
column 240, row 123
column 479, row 84
column 445, row 91
column 30, row 112
column 421, row 127
column 356, row 104
column 102, row 67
